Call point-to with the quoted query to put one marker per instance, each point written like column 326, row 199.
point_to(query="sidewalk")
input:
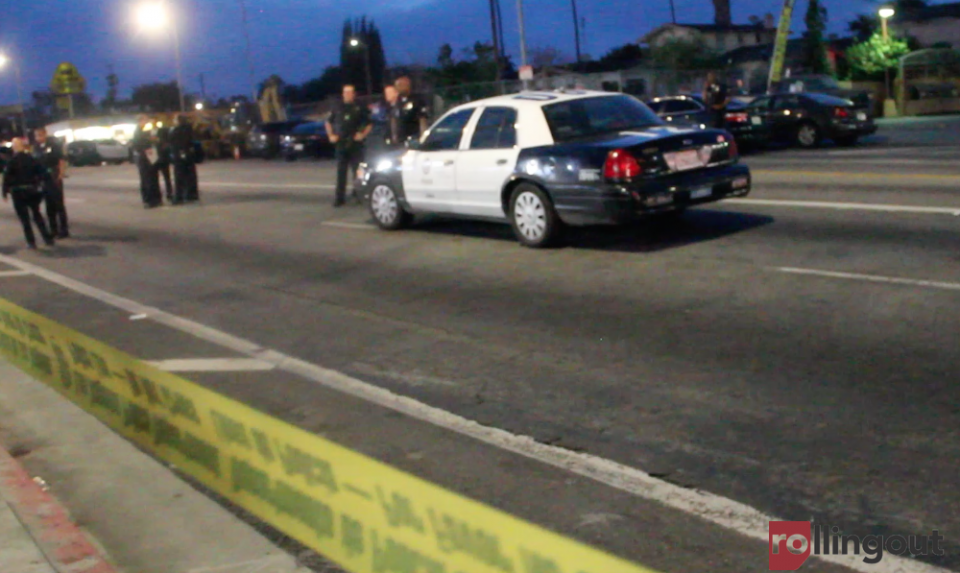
column 36, row 533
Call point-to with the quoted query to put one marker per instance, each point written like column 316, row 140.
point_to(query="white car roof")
column 535, row 99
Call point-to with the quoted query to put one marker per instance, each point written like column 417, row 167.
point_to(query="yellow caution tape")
column 360, row 513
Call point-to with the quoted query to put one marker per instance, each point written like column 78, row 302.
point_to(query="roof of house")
column 763, row 52
column 710, row 29
column 934, row 12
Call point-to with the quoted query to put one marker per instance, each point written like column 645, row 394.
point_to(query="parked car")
column 806, row 119
column 81, row 153
column 307, row 141
column 543, row 160
column 821, row 84
column 265, row 140
column 690, row 110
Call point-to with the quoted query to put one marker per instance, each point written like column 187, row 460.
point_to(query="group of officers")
column 34, row 177
column 401, row 115
column 157, row 148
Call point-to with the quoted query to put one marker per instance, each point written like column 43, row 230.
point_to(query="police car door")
column 485, row 165
column 429, row 174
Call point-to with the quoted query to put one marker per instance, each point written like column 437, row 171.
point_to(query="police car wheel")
column 533, row 218
column 386, row 209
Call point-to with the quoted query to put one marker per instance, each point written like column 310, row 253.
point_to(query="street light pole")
column 523, row 39
column 176, row 42
column 246, row 35
column 576, row 28
column 366, row 53
column 889, row 104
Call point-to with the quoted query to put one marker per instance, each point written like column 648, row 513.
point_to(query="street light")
column 889, row 106
column 153, row 17
column 4, row 60
column 354, row 42
column 199, row 106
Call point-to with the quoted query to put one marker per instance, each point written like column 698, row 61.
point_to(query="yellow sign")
column 358, row 512
column 67, row 80
column 780, row 45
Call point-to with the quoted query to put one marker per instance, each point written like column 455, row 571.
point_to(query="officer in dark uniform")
column 49, row 153
column 385, row 135
column 413, row 111
column 144, row 145
column 348, row 127
column 164, row 158
column 717, row 98
column 23, row 178
column 184, row 161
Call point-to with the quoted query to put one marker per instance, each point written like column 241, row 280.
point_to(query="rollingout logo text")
column 792, row 542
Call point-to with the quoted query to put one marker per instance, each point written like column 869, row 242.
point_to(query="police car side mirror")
column 412, row 143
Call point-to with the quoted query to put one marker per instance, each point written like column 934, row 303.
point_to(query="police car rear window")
column 588, row 117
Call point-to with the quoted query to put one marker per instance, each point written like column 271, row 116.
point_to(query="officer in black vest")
column 348, row 127
column 49, row 153
column 23, row 177
column 164, row 158
column 414, row 114
column 144, row 144
column 184, row 161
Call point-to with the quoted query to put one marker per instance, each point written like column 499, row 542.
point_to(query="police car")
column 545, row 160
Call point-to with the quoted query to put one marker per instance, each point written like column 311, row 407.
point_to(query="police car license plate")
column 861, row 116
column 298, row 147
column 701, row 193
column 756, row 120
column 683, row 160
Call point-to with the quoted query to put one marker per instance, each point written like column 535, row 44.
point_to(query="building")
column 939, row 24
column 719, row 38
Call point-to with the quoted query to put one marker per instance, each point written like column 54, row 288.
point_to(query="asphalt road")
column 796, row 351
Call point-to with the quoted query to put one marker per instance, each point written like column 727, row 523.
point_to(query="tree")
column 625, row 56
column 546, row 57
column 157, row 97
column 353, row 59
column 684, row 55
column 445, row 56
column 869, row 60
column 863, row 27
column 814, row 46
column 113, row 83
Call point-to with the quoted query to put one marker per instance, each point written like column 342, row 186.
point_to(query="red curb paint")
column 61, row 541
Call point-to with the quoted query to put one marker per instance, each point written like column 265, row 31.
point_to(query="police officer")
column 144, row 145
column 184, row 161
column 164, row 158
column 717, row 98
column 22, row 178
column 348, row 127
column 393, row 136
column 413, row 111
column 49, row 154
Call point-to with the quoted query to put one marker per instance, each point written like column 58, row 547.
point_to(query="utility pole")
column 246, row 35
column 496, row 44
column 203, row 88
column 576, row 28
column 673, row 11
column 523, row 39
column 176, row 41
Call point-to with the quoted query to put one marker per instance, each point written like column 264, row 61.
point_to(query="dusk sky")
column 298, row 38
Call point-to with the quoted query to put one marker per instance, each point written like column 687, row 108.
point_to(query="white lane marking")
column 718, row 510
column 213, row 365
column 345, row 225
column 871, row 278
column 227, row 184
column 955, row 211
column 71, row 200
column 138, row 317
column 4, row 274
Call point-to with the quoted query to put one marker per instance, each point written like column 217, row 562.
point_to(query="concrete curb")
column 64, row 545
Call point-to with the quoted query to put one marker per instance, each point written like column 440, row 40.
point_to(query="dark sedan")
column 806, row 119
column 266, row 140
column 307, row 141
column 691, row 111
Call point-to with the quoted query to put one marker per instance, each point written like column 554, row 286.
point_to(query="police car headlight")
column 384, row 165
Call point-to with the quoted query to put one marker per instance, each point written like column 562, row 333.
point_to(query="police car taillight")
column 621, row 165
